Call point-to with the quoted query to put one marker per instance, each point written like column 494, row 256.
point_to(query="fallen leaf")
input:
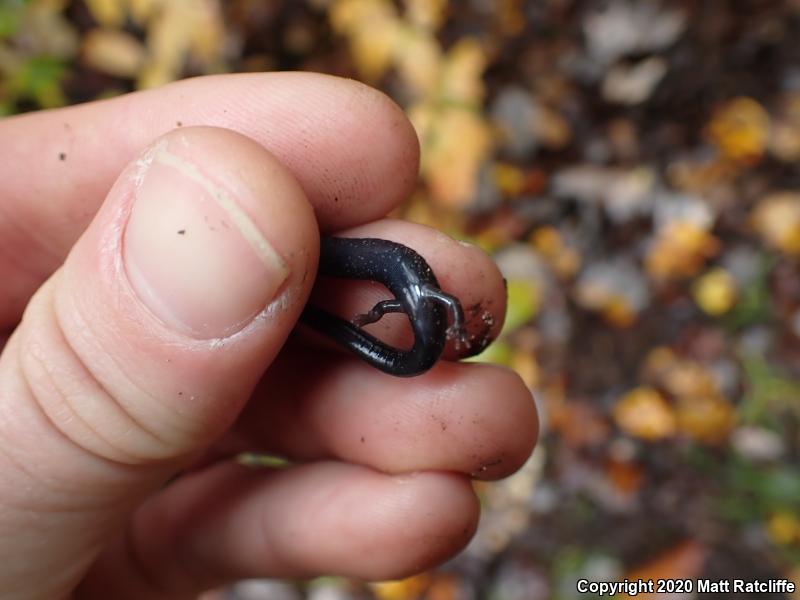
column 776, row 218
column 707, row 419
column 740, row 129
column 625, row 476
column 563, row 259
column 526, row 366
column 109, row 13
column 410, row 588
column 523, row 303
column 615, row 289
column 418, row 57
column 455, row 143
column 644, row 413
column 715, row 292
column 371, row 27
column 783, row 528
column 580, row 424
column 427, row 14
column 685, row 560
column 113, row 52
column 680, row 250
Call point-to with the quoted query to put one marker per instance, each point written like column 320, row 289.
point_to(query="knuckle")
column 75, row 402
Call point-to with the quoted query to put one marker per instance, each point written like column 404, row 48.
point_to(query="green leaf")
column 523, row 303
column 769, row 392
column 254, row 459
column 10, row 16
column 754, row 304
column 39, row 79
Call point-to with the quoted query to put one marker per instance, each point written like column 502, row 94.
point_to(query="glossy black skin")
column 417, row 294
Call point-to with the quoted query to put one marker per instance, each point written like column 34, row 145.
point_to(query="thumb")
column 145, row 345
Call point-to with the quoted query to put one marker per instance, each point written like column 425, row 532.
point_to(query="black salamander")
column 416, row 293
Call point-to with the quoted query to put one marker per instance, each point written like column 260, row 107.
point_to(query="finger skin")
column 231, row 522
column 479, row 420
column 351, row 148
column 102, row 401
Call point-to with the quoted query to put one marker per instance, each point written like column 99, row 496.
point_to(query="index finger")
column 351, row 148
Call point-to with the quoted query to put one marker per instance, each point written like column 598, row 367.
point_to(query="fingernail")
column 192, row 255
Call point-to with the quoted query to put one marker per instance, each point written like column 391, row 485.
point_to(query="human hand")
column 143, row 353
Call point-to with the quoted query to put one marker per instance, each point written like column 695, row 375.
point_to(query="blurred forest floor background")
column 633, row 168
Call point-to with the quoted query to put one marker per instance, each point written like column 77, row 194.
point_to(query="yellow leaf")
column 658, row 361
column 777, row 220
column 644, row 413
column 708, row 419
column 715, row 292
column 526, row 366
column 553, row 130
column 740, row 129
column 785, row 135
column 784, row 528
column 689, row 379
column 113, row 52
column 347, row 16
column 373, row 48
column 418, row 57
column 428, row 14
column 209, row 32
column 410, row 588
column 454, row 144
column 181, row 27
column 109, row 13
column 680, row 250
column 372, row 28
column 509, row 179
column 462, row 81
column 142, row 10
column 619, row 312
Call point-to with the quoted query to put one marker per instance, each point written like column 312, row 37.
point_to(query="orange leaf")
column 680, row 250
column 644, row 413
column 740, row 129
column 626, row 477
column 683, row 561
column 580, row 424
column 707, row 418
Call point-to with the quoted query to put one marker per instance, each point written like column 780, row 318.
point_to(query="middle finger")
column 471, row 418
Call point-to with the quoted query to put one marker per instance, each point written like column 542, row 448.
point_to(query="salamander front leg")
column 457, row 329
column 376, row 312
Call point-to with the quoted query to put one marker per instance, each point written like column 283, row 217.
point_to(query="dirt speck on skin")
column 477, row 341
column 485, row 467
